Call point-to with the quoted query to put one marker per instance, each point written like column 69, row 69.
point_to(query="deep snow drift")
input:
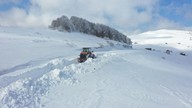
column 39, row 69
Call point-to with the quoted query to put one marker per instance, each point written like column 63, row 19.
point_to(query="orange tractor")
column 85, row 54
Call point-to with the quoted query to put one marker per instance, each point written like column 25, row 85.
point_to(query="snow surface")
column 39, row 69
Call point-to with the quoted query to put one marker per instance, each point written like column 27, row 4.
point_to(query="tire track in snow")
column 90, row 67
column 36, row 72
column 20, row 67
column 187, row 102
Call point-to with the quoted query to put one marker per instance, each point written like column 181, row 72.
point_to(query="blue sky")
column 132, row 15
column 8, row 5
column 176, row 10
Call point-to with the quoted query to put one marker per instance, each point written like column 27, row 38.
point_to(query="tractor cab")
column 87, row 49
column 85, row 54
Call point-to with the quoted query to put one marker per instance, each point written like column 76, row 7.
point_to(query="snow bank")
column 27, row 92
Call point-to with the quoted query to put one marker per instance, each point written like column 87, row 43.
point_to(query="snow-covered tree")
column 63, row 24
column 81, row 25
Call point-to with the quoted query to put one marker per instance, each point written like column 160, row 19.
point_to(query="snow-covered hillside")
column 39, row 69
column 181, row 40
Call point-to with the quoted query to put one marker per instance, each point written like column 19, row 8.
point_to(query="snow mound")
column 27, row 92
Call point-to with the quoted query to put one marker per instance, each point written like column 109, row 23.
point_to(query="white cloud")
column 118, row 13
column 121, row 14
column 164, row 23
column 13, row 17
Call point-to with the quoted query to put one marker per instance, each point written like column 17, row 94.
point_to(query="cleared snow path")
column 134, row 83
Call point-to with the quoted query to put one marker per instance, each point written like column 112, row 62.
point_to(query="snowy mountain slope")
column 161, row 40
column 44, row 73
column 181, row 40
column 26, row 46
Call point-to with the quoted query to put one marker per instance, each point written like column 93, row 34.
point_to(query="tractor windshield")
column 86, row 49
